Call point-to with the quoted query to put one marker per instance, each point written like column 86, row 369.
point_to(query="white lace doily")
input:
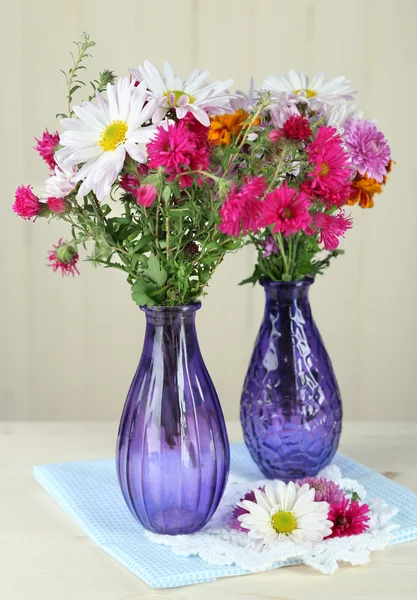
column 219, row 544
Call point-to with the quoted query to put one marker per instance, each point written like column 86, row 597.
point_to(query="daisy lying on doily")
column 317, row 521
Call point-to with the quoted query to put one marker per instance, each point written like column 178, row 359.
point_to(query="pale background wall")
column 69, row 347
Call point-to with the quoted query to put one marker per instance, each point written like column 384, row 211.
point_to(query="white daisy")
column 190, row 95
column 286, row 512
column 336, row 115
column 296, row 87
column 103, row 133
column 61, row 183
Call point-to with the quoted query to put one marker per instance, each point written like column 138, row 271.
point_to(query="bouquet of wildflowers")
column 308, row 156
column 160, row 177
column 133, row 174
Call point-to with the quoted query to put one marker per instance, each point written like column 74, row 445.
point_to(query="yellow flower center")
column 284, row 522
column 177, row 96
column 324, row 169
column 113, row 135
column 309, row 93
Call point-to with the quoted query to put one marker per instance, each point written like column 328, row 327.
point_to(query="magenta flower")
column 349, row 518
column 178, row 150
column 330, row 179
column 331, row 228
column 57, row 205
column 64, row 257
column 285, row 210
column 145, row 195
column 26, row 204
column 129, row 183
column 240, row 212
column 326, row 490
column 367, row 148
column 296, row 128
column 46, row 147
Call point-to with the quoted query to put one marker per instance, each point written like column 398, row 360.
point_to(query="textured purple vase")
column 291, row 409
column 172, row 452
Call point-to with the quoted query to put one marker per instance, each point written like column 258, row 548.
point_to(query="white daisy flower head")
column 61, row 183
column 336, row 115
column 296, row 87
column 286, row 512
column 104, row 132
column 190, row 95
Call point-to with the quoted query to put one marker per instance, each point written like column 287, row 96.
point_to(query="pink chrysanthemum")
column 199, row 130
column 46, row 147
column 26, row 204
column 286, row 210
column 240, row 212
column 331, row 228
column 296, row 128
column 64, row 257
column 367, row 148
column 57, row 205
column 145, row 195
column 331, row 175
column 349, row 518
column 178, row 150
column 326, row 490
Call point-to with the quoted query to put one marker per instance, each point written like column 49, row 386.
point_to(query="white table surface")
column 44, row 556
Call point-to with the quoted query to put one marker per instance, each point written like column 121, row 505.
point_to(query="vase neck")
column 175, row 317
column 286, row 292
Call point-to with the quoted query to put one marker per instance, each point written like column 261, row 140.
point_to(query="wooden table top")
column 45, row 556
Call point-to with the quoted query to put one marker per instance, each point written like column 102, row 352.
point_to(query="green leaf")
column 232, row 244
column 140, row 293
column 166, row 194
column 208, row 259
column 156, row 271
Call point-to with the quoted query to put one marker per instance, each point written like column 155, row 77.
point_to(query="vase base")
column 175, row 521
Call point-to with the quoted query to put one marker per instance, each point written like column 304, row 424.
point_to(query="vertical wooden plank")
column 55, row 379
column 13, row 318
column 390, row 287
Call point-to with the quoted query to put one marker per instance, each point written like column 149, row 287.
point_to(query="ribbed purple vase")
column 172, row 452
column 291, row 410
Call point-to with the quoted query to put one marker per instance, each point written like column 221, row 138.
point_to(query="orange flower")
column 223, row 127
column 363, row 190
column 389, row 169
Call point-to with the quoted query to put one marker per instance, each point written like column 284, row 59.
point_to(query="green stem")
column 282, row 250
column 294, row 256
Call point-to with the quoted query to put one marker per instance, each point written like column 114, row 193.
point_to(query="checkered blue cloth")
column 89, row 493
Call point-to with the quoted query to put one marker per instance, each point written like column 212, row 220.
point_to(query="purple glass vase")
column 291, row 410
column 172, row 452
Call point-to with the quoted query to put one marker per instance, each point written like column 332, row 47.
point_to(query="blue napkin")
column 89, row 493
